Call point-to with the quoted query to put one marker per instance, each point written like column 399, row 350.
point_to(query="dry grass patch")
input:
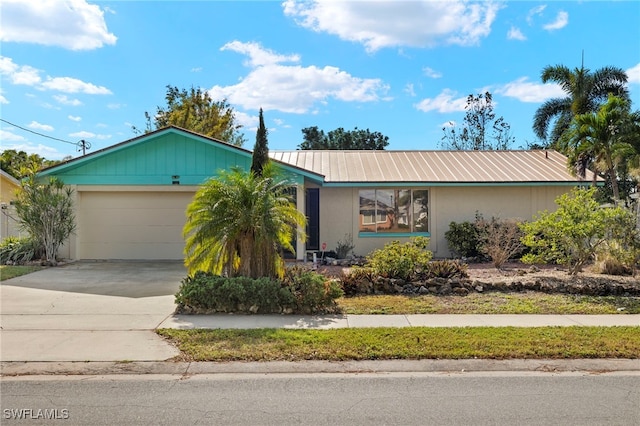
column 491, row 303
column 407, row 343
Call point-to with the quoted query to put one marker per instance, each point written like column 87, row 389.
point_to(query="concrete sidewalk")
column 107, row 312
column 231, row 321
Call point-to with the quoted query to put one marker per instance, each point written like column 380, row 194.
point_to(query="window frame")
column 383, row 215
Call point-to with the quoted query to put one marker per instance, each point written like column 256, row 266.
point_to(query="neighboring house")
column 131, row 197
column 8, row 219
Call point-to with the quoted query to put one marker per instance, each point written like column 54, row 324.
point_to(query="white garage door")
column 131, row 225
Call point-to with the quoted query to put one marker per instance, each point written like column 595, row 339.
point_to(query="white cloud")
column 74, row 118
column 527, row 91
column 89, row 135
column 258, row 55
column 535, row 11
column 64, row 100
column 515, row 34
column 245, row 120
column 417, row 23
column 450, row 123
column 446, row 101
column 562, row 19
column 3, row 100
column 71, row 24
column 73, row 85
column 634, row 74
column 196, row 69
column 430, row 72
column 114, row 106
column 27, row 75
column 83, row 135
column 39, row 126
column 17, row 74
column 409, row 90
column 8, row 136
column 292, row 88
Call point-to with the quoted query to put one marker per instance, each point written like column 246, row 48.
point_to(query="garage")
column 144, row 224
column 131, row 198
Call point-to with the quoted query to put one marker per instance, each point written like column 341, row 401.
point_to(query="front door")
column 312, row 211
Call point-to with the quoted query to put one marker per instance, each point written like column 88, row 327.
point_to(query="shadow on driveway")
column 134, row 279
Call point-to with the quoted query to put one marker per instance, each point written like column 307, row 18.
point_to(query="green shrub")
column 446, row 268
column 312, row 291
column 19, row 250
column 579, row 229
column 302, row 291
column 213, row 293
column 464, row 239
column 401, row 261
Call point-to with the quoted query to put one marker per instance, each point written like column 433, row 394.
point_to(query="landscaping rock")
column 460, row 291
column 445, row 289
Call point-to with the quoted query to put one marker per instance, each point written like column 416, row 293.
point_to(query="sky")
column 85, row 70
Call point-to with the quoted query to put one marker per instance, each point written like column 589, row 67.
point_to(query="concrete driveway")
column 89, row 311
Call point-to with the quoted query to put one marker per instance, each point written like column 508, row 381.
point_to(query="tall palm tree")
column 599, row 141
column 585, row 92
column 239, row 222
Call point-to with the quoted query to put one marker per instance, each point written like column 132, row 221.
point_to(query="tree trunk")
column 613, row 177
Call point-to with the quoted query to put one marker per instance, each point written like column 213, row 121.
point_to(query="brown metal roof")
column 433, row 166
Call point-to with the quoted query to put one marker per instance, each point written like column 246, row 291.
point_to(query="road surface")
column 522, row 398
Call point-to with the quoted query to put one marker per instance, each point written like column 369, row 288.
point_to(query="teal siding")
column 153, row 161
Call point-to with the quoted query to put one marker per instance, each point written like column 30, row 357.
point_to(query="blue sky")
column 89, row 70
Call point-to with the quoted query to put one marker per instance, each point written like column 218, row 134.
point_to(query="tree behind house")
column 356, row 139
column 45, row 211
column 19, row 163
column 585, row 92
column 195, row 110
column 598, row 141
column 481, row 130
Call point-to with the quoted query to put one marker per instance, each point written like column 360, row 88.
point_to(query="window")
column 394, row 210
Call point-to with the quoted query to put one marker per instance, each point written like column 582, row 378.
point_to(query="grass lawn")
column 407, row 343
column 7, row 272
column 491, row 303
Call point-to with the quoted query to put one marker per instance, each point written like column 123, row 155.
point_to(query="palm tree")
column 599, row 141
column 631, row 135
column 586, row 91
column 239, row 222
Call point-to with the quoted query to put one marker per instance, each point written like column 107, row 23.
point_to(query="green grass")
column 407, row 343
column 491, row 303
column 8, row 272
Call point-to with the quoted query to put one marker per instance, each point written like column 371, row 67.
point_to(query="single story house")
column 131, row 197
column 8, row 219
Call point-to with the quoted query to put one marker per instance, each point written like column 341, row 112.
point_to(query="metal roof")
column 539, row 166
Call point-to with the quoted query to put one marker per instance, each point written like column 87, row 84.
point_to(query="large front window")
column 394, row 210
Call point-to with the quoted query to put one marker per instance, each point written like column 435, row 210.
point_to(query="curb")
column 588, row 366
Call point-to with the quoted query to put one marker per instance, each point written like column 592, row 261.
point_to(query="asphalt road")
column 325, row 399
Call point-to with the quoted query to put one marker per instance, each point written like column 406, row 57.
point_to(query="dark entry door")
column 312, row 210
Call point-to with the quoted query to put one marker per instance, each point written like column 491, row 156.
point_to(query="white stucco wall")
column 339, row 211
